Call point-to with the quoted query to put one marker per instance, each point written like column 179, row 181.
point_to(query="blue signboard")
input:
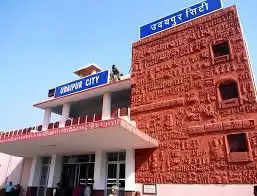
column 182, row 16
column 83, row 84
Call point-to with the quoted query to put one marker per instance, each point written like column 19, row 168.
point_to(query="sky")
column 42, row 42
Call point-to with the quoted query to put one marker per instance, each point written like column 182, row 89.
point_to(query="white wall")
column 35, row 171
column 130, row 170
column 58, row 171
column 201, row 190
column 10, row 167
column 27, row 162
column 100, row 170
column 55, row 171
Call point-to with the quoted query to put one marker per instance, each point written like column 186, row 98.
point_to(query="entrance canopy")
column 107, row 135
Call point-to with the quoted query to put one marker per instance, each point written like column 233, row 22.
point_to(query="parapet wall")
column 177, row 98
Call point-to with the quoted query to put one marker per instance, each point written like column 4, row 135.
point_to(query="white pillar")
column 65, row 113
column 106, row 110
column 55, row 171
column 100, row 170
column 130, row 170
column 35, row 172
column 47, row 118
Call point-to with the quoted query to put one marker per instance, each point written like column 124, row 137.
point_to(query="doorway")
column 78, row 170
column 116, row 172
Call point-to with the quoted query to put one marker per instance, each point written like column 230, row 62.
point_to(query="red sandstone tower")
column 193, row 90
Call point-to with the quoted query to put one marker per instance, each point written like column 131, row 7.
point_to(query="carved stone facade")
column 176, row 98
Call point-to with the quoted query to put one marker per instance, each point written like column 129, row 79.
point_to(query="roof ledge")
column 88, row 70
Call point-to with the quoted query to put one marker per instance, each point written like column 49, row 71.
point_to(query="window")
column 46, row 160
column 221, row 49
column 237, row 142
column 116, row 156
column 238, row 148
column 87, row 158
column 228, row 94
column 228, row 90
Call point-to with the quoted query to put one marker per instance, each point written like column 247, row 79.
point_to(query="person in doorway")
column 88, row 190
column 62, row 190
column 58, row 191
column 115, row 191
column 17, row 190
column 9, row 188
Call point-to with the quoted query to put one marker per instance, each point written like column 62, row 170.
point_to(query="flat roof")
column 109, row 135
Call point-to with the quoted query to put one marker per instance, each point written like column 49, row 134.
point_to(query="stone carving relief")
column 175, row 100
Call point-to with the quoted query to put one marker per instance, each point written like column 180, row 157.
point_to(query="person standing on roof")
column 115, row 73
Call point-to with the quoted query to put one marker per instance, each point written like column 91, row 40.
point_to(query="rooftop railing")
column 115, row 113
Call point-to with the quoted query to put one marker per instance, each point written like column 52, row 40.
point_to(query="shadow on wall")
column 143, row 161
column 10, row 168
